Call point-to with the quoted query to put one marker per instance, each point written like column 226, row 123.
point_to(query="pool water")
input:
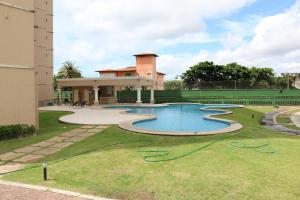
column 179, row 117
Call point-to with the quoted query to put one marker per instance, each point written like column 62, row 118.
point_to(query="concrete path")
column 15, row 159
column 92, row 115
column 271, row 123
column 296, row 119
column 19, row 191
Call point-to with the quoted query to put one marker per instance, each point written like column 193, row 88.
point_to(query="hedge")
column 16, row 131
column 246, row 97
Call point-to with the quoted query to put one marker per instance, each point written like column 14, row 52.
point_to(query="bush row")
column 16, row 131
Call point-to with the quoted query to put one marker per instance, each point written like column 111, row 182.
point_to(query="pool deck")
column 94, row 115
column 102, row 115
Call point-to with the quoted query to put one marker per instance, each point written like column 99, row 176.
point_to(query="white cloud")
column 148, row 19
column 276, row 44
column 99, row 31
column 104, row 33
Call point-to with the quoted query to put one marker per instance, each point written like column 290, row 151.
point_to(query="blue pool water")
column 179, row 117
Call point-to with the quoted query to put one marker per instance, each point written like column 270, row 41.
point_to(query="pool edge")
column 234, row 126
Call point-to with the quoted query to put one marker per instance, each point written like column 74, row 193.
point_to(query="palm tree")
column 68, row 70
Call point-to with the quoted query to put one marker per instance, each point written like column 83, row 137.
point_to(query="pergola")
column 117, row 83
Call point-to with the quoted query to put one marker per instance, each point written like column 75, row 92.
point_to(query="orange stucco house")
column 104, row 89
column 145, row 67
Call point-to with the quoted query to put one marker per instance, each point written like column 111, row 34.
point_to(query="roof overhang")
column 105, row 81
column 146, row 54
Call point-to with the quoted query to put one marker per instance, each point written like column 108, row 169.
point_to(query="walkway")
column 92, row 115
column 18, row 191
column 271, row 123
column 15, row 159
column 296, row 119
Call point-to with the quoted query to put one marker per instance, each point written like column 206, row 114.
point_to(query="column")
column 59, row 96
column 96, row 101
column 75, row 95
column 139, row 95
column 152, row 100
column 116, row 94
column 86, row 96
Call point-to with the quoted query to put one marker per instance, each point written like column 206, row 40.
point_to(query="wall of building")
column 43, row 43
column 122, row 74
column 146, row 66
column 18, row 100
column 160, row 82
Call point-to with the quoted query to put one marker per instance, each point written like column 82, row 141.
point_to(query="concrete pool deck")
column 102, row 115
column 94, row 115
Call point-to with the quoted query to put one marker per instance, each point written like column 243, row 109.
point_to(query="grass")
column 263, row 109
column 49, row 127
column 220, row 171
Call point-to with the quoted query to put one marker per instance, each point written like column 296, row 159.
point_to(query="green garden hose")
column 159, row 155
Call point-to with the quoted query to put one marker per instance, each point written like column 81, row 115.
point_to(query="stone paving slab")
column 28, row 149
column 94, row 130
column 75, row 139
column 88, row 127
column 9, row 168
column 46, row 151
column 102, row 127
column 71, row 134
column 43, row 144
column 29, row 158
column 39, row 150
column 85, row 135
column 11, row 156
column 62, row 145
column 78, row 131
column 56, row 139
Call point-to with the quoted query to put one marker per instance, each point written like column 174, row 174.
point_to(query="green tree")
column 68, row 70
column 54, row 82
column 219, row 75
column 174, row 85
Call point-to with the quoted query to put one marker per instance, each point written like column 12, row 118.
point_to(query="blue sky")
column 99, row 34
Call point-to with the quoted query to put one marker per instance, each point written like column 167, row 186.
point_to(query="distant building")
column 145, row 67
column 103, row 90
column 26, row 59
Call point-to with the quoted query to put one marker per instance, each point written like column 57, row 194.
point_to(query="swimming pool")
column 180, row 119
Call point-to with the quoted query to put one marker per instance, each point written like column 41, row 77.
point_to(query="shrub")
column 16, row 131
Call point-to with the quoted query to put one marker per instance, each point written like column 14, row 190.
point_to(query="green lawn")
column 49, row 127
column 263, row 109
column 220, row 171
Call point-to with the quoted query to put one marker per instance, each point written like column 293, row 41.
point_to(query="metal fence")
column 246, row 97
column 243, row 84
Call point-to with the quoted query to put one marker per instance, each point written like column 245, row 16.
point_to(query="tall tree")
column 174, row 85
column 68, row 70
column 208, row 71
